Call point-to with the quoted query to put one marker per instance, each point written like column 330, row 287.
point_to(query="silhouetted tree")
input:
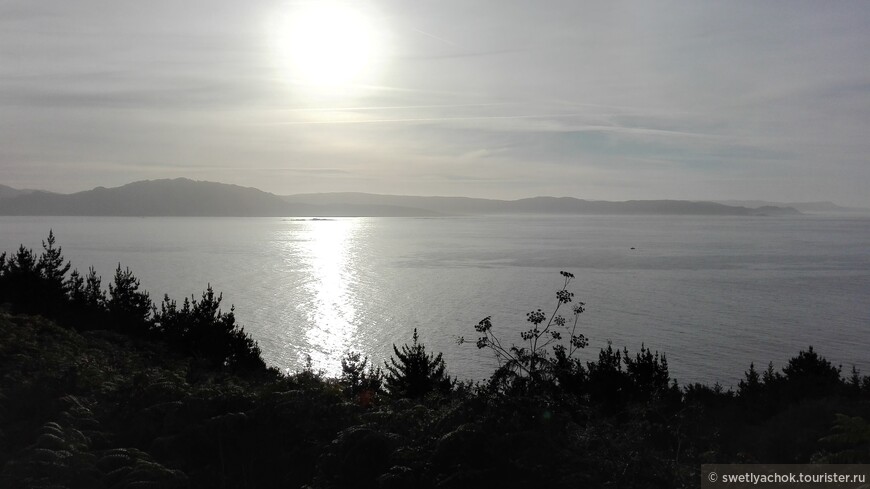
column 771, row 379
column 75, row 287
column 854, row 382
column 52, row 270
column 129, row 307
column 199, row 327
column 22, row 281
column 172, row 323
column 750, row 387
column 22, row 262
column 608, row 382
column 362, row 380
column 414, row 373
column 51, row 263
column 87, row 300
column 94, row 295
column 648, row 373
column 810, row 375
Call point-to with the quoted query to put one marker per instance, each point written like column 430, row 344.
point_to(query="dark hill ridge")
column 538, row 205
column 184, row 197
column 7, row 192
column 550, row 205
column 179, row 197
column 810, row 207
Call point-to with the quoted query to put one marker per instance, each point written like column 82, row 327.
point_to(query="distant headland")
column 185, row 197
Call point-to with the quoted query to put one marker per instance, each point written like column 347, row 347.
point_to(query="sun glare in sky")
column 327, row 45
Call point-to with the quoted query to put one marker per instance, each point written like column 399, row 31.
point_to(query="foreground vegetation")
column 108, row 390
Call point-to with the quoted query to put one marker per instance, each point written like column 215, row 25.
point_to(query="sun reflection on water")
column 328, row 261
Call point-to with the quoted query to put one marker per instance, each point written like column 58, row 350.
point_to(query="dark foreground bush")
column 413, row 373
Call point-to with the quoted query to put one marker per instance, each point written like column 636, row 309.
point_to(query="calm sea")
column 714, row 293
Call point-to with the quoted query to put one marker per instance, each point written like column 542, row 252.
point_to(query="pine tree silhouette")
column 414, row 373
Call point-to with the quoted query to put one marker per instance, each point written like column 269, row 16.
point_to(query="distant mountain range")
column 184, row 197
column 535, row 205
column 810, row 207
column 6, row 192
column 178, row 197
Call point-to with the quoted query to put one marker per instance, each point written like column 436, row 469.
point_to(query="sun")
column 327, row 44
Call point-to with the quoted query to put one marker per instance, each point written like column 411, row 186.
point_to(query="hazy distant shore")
column 184, row 197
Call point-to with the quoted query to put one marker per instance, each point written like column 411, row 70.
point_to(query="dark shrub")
column 414, row 373
column 129, row 307
column 809, row 375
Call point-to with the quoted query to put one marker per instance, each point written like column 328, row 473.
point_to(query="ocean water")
column 713, row 293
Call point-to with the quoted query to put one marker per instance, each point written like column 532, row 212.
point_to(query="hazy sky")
column 504, row 99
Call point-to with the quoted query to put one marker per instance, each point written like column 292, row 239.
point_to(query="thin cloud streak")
column 579, row 128
column 433, row 36
column 388, row 107
column 420, row 119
